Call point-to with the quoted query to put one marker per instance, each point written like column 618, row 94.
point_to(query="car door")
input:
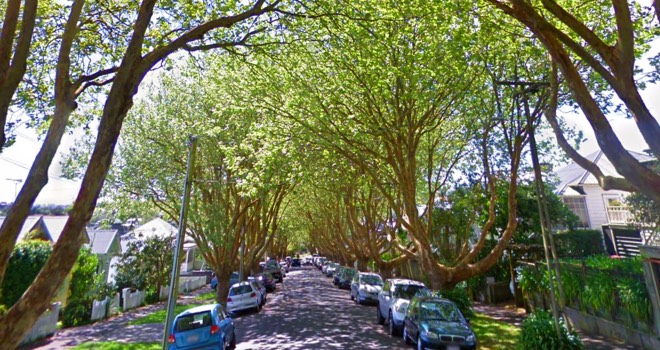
column 412, row 319
column 225, row 323
column 355, row 284
column 384, row 299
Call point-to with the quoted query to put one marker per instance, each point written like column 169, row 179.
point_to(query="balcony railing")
column 618, row 215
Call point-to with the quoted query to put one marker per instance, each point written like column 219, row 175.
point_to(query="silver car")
column 393, row 302
column 243, row 296
column 365, row 287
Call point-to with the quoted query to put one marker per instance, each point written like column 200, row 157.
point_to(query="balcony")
column 618, row 215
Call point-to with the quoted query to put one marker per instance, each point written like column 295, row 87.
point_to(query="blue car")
column 202, row 327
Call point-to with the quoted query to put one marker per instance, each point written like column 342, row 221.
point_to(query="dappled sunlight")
column 311, row 313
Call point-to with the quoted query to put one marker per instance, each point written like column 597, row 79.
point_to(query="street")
column 308, row 312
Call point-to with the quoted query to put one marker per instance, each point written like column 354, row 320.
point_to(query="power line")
column 21, row 165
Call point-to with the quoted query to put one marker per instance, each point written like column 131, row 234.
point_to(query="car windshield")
column 372, row 280
column 349, row 274
column 441, row 311
column 193, row 321
column 242, row 289
column 406, row 291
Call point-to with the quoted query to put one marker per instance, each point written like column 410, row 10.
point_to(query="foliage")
column 538, row 333
column 493, row 334
column 579, row 243
column 600, row 285
column 146, row 264
column 645, row 211
column 25, row 262
column 461, row 298
column 84, row 278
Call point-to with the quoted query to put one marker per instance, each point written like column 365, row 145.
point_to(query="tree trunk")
column 222, row 290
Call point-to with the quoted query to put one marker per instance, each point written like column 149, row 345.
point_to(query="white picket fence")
column 46, row 324
column 186, row 284
column 132, row 300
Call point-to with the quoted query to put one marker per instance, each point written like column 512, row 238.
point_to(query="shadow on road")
column 310, row 313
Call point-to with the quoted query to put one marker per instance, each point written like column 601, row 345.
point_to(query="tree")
column 147, row 42
column 596, row 48
column 146, row 264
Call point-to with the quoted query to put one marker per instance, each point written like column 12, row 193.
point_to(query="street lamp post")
column 174, row 280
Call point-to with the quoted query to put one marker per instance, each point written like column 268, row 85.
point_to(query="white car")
column 365, row 287
column 260, row 287
column 243, row 296
column 393, row 302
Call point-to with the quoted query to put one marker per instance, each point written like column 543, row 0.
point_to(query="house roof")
column 30, row 223
column 101, row 240
column 156, row 227
column 53, row 225
column 572, row 177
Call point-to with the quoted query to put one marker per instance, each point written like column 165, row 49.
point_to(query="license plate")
column 453, row 347
column 193, row 338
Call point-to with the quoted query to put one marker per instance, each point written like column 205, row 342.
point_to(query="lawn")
column 210, row 297
column 159, row 316
column 493, row 334
column 118, row 346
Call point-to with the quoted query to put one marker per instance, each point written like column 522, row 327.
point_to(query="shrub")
column 538, row 333
column 580, row 244
column 78, row 310
column 461, row 298
column 27, row 259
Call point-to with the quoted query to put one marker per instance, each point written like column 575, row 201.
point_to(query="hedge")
column 25, row 262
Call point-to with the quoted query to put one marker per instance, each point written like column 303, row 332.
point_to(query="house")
column 105, row 244
column 162, row 228
column 44, row 227
column 599, row 209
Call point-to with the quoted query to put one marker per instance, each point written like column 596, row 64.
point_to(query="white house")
column 599, row 209
column 162, row 228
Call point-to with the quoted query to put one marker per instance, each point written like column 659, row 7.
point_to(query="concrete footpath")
column 115, row 328
column 512, row 315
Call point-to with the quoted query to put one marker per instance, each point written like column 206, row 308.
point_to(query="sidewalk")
column 115, row 328
column 510, row 314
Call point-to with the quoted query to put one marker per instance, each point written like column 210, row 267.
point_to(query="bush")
column 579, row 243
column 25, row 262
column 538, row 333
column 78, row 310
column 461, row 298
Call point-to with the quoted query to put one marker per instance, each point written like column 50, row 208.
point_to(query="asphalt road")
column 308, row 312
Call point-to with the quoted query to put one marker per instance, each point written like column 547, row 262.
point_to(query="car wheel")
column 391, row 327
column 420, row 346
column 379, row 317
column 406, row 339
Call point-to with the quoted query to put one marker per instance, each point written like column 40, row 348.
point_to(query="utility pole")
column 176, row 268
column 241, row 271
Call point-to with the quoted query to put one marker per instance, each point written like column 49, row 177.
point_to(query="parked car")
column 232, row 280
column 260, row 287
column 273, row 267
column 243, row 296
column 285, row 266
column 268, row 281
column 206, row 326
column 346, row 278
column 335, row 276
column 436, row 323
column 295, row 262
column 365, row 287
column 393, row 301
column 324, row 267
column 330, row 269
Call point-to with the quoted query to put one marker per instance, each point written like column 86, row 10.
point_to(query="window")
column 579, row 208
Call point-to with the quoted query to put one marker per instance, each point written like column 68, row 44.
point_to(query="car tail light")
column 215, row 329
column 253, row 295
column 229, row 300
column 171, row 339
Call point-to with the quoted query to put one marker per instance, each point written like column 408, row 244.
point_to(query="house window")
column 579, row 208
